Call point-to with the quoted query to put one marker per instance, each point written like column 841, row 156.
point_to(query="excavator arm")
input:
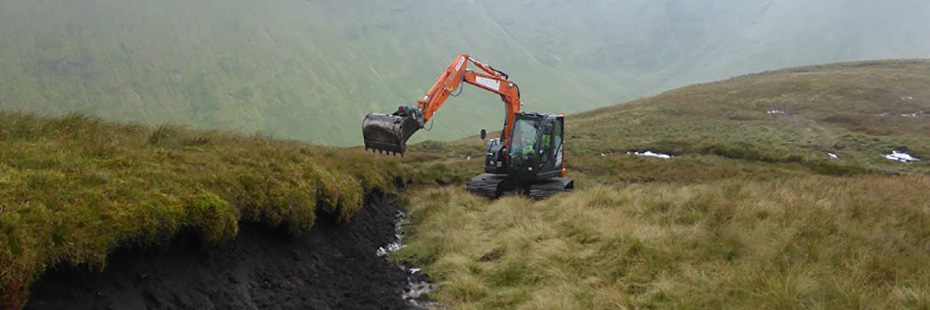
column 490, row 79
column 390, row 132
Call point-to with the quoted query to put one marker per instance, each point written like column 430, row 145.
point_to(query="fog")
column 311, row 70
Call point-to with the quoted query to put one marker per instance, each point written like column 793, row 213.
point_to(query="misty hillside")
column 312, row 69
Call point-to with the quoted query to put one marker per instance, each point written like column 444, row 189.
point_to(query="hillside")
column 857, row 111
column 750, row 213
column 310, row 69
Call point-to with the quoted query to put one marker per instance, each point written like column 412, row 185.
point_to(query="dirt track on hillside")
column 331, row 267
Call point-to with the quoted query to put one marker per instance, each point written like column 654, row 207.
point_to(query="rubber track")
column 487, row 185
column 482, row 188
column 550, row 188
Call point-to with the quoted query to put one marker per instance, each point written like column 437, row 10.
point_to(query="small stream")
column 418, row 285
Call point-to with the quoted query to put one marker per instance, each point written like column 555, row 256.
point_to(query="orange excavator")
column 528, row 158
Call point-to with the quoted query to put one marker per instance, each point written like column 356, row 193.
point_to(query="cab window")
column 524, row 138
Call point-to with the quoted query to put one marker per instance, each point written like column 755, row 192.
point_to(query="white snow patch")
column 833, row 156
column 902, row 157
column 775, row 112
column 651, row 154
column 907, row 98
column 414, row 270
column 909, row 115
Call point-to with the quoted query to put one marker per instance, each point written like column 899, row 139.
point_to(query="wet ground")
column 333, row 266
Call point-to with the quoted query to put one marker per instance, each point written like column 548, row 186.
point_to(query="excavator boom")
column 390, row 132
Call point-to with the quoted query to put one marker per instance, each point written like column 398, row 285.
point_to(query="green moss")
column 214, row 216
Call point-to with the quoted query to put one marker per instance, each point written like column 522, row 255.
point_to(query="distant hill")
column 312, row 69
column 857, row 111
column 810, row 109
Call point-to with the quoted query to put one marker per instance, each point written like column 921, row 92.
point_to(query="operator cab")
column 536, row 149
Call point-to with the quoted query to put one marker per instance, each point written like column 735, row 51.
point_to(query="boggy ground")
column 333, row 266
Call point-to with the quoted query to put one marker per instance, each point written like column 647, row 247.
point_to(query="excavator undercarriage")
column 494, row 186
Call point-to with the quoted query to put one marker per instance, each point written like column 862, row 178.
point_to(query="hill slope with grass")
column 310, row 69
column 750, row 213
column 858, row 111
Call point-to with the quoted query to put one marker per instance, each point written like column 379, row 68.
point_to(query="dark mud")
column 333, row 266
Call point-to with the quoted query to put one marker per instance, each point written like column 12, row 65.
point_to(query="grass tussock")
column 74, row 188
column 807, row 242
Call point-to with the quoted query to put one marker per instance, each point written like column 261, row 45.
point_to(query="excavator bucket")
column 388, row 133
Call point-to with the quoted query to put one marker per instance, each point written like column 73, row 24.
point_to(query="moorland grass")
column 752, row 213
column 74, row 188
column 806, row 242
column 858, row 111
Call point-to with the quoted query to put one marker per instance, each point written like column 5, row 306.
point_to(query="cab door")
column 550, row 147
